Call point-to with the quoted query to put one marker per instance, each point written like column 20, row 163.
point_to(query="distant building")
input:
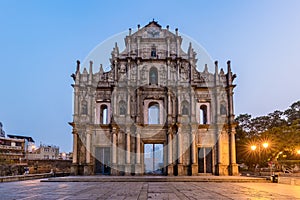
column 45, row 152
column 69, row 156
column 65, row 156
column 12, row 150
column 2, row 132
column 29, row 142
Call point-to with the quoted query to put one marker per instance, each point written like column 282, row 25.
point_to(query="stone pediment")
column 153, row 24
column 153, row 30
column 152, row 42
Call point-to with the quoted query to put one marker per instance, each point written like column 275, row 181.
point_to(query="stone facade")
column 153, row 97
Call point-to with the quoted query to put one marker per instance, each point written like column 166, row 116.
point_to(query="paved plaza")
column 34, row 189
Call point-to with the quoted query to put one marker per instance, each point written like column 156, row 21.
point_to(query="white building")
column 45, row 152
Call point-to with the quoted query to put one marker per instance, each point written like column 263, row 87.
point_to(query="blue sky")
column 41, row 41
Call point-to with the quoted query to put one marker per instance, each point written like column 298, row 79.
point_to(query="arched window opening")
column 153, row 113
column 84, row 109
column 122, row 108
column 223, row 110
column 153, row 52
column 153, row 76
column 203, row 114
column 103, row 114
column 185, row 108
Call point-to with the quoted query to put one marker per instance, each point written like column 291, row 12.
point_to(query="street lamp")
column 253, row 147
column 265, row 145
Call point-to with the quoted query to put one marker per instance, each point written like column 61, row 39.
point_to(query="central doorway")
column 102, row 160
column 154, row 159
column 205, row 160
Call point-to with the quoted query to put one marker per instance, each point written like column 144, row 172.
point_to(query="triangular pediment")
column 153, row 24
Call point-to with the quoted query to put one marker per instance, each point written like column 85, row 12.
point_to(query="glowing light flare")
column 265, row 145
column 253, row 147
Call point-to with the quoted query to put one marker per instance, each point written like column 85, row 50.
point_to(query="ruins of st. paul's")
column 153, row 112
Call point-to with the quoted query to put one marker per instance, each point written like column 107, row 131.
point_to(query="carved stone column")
column 127, row 147
column 219, row 148
column 114, row 167
column 170, row 169
column 138, row 165
column 169, row 104
column 168, row 72
column 76, row 103
column 138, row 46
column 87, row 170
column 88, row 148
column 193, row 147
column 116, row 70
column 194, row 165
column 170, row 160
column 168, row 47
column 179, row 139
column 170, row 108
column 138, row 148
column 233, row 166
column 128, row 103
column 193, row 106
column 127, row 165
column 74, row 167
column 222, row 169
column 115, row 101
column 114, row 148
column 90, row 106
column 180, row 170
column 232, row 146
column 75, row 136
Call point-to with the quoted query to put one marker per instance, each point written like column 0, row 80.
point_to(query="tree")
column 244, row 126
column 280, row 129
column 293, row 113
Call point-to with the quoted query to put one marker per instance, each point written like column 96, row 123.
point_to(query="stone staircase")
column 156, row 179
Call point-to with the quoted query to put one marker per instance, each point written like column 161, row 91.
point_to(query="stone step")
column 155, row 179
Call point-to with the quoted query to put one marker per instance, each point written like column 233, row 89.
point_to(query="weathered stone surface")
column 142, row 190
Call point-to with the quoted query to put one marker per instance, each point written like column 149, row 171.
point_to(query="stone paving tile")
column 34, row 189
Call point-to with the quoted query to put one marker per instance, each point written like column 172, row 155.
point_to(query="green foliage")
column 281, row 130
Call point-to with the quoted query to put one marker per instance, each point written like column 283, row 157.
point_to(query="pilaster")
column 127, row 169
column 138, row 147
column 138, row 169
column 87, row 169
column 194, row 169
column 88, row 147
column 233, row 170
column 222, row 170
column 170, row 170
column 114, row 147
column 114, row 170
column 75, row 146
column 180, row 170
column 170, row 148
column 128, row 147
column 74, row 169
